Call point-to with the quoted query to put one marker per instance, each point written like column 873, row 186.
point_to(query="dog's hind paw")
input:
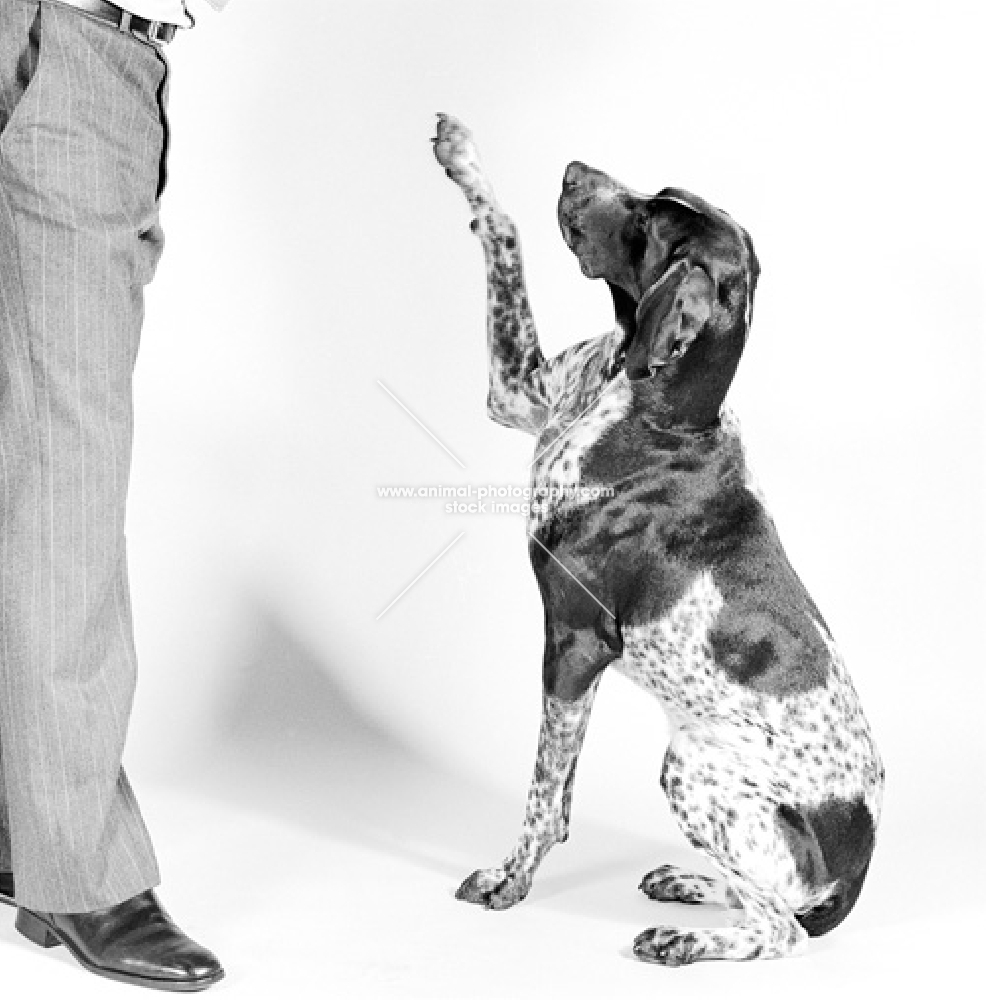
column 669, row 884
column 667, row 946
column 494, row 888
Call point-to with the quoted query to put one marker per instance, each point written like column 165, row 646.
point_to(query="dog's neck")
column 687, row 394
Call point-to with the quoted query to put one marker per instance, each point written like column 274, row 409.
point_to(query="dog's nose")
column 575, row 173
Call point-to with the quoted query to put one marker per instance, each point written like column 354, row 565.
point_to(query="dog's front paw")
column 667, row 946
column 494, row 888
column 456, row 152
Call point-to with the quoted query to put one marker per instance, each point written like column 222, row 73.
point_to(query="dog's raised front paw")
column 456, row 152
column 494, row 888
column 667, row 946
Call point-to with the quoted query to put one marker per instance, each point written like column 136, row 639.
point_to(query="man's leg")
column 80, row 162
column 82, row 142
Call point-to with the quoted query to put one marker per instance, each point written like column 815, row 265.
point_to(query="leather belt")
column 155, row 32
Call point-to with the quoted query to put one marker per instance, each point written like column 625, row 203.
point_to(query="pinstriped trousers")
column 82, row 137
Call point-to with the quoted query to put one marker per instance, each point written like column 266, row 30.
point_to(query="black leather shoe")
column 7, row 888
column 133, row 942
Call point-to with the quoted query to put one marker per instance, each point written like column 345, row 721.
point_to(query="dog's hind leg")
column 765, row 927
column 517, row 394
column 563, row 726
column 722, row 813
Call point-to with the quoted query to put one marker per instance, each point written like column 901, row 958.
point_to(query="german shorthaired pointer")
column 675, row 575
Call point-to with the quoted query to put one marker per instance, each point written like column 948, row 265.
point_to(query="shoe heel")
column 35, row 929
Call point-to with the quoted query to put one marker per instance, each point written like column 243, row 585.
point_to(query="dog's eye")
column 677, row 249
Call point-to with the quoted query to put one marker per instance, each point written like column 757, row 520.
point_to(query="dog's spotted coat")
column 678, row 578
column 580, row 413
column 563, row 726
column 669, row 884
column 736, row 756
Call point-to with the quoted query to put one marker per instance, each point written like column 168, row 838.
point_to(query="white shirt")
column 168, row 11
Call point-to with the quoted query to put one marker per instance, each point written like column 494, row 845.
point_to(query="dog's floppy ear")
column 670, row 315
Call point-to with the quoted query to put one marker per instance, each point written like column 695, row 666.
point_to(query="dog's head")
column 683, row 276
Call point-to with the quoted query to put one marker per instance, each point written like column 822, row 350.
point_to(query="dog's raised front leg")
column 563, row 726
column 517, row 396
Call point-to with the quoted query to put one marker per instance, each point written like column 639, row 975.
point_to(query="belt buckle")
column 153, row 32
column 150, row 33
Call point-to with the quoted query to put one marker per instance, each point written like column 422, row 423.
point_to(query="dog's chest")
column 586, row 402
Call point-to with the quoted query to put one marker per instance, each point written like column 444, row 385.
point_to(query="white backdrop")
column 315, row 250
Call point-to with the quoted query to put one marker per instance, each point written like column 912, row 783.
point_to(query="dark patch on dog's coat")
column 831, row 842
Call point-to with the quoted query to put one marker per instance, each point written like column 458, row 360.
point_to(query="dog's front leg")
column 563, row 726
column 517, row 395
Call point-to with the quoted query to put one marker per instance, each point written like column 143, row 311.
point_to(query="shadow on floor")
column 293, row 745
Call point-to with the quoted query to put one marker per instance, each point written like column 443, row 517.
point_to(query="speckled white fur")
column 584, row 403
column 731, row 762
column 672, row 659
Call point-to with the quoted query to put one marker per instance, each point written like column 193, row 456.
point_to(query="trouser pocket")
column 21, row 54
